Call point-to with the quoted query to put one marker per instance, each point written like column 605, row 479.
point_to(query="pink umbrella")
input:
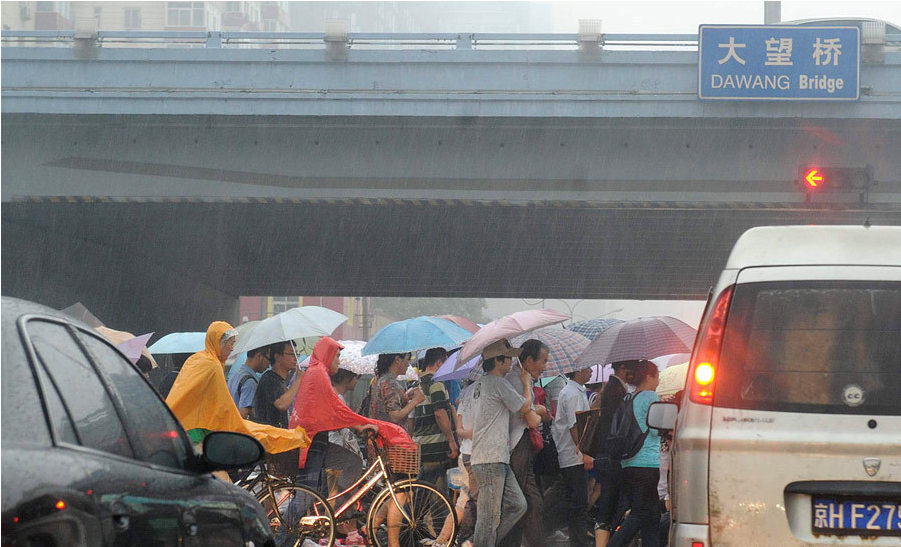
column 133, row 348
column 120, row 337
column 508, row 327
column 462, row 322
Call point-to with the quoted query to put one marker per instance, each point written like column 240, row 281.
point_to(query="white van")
column 789, row 432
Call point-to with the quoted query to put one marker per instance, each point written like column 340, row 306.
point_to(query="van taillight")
column 703, row 370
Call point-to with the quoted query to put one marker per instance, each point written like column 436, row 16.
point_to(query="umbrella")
column 119, row 337
column 416, row 334
column 672, row 380
column 244, row 328
column 642, row 338
column 135, row 347
column 180, row 342
column 593, row 327
column 80, row 312
column 509, row 326
column 602, row 373
column 564, row 348
column 665, row 361
column 352, row 359
column 288, row 325
column 450, row 371
column 411, row 374
column 471, row 326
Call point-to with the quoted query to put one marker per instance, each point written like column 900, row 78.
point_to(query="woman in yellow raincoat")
column 200, row 398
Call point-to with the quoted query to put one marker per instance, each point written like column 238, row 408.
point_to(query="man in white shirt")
column 566, row 501
column 501, row 502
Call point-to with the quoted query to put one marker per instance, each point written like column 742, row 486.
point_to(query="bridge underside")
column 181, row 264
column 162, row 221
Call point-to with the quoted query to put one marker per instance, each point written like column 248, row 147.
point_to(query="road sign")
column 778, row 63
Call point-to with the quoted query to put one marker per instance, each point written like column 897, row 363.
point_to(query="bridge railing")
column 357, row 40
column 362, row 40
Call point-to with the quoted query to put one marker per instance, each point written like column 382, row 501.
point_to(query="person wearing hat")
column 501, row 501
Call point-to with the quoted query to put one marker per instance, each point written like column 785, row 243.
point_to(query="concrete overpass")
column 470, row 166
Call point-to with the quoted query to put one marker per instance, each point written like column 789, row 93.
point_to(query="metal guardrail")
column 224, row 39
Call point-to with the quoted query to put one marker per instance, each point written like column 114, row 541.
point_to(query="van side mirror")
column 662, row 416
column 227, row 450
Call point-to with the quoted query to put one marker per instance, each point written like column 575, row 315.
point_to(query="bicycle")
column 405, row 513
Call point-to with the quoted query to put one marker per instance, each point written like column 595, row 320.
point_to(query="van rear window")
column 824, row 347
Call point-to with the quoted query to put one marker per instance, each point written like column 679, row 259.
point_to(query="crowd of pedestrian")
column 525, row 477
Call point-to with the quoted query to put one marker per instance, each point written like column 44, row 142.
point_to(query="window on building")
column 283, row 303
column 61, row 8
column 186, row 14
column 132, row 18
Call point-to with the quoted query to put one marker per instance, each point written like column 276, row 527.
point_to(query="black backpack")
column 625, row 438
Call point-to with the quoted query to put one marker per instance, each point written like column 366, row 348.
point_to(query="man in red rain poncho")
column 318, row 410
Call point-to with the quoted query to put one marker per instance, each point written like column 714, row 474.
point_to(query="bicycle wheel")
column 296, row 514
column 431, row 517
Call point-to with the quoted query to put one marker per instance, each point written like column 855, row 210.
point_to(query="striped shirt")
column 426, row 432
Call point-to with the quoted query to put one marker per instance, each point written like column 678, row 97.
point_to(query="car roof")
column 13, row 308
column 817, row 245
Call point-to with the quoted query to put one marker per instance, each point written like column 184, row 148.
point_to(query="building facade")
column 147, row 16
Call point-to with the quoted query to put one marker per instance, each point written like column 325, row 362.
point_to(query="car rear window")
column 825, row 346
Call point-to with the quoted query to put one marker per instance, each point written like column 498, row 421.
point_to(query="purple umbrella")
column 642, row 338
column 450, row 371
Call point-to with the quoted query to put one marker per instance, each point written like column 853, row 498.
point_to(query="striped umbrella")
column 565, row 346
column 642, row 338
column 593, row 327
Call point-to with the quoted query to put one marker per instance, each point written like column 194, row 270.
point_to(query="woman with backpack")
column 642, row 471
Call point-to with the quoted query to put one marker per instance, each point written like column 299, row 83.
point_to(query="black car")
column 91, row 455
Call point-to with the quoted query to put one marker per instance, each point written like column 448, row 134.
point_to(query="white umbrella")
column 352, row 359
column 665, row 361
column 306, row 321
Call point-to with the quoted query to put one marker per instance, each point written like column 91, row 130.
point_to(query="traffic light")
column 816, row 178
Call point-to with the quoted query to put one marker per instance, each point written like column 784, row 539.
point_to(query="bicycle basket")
column 404, row 458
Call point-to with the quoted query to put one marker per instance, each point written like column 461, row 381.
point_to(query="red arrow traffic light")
column 813, row 178
column 831, row 178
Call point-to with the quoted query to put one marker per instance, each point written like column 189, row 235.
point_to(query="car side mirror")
column 662, row 416
column 226, row 450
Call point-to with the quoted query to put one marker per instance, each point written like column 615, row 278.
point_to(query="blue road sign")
column 778, row 63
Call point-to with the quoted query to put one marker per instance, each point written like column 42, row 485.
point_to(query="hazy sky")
column 684, row 17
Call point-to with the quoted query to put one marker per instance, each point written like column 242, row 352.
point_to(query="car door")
column 804, row 436
column 89, row 430
column 208, row 511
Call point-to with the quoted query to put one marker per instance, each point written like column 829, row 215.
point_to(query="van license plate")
column 857, row 517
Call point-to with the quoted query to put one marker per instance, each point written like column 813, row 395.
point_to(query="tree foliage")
column 405, row 308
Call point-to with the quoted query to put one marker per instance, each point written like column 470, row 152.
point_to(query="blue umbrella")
column 593, row 327
column 180, row 342
column 416, row 334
